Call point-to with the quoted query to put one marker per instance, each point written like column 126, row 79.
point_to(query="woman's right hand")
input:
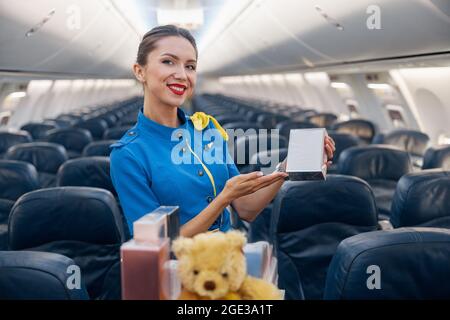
column 244, row 184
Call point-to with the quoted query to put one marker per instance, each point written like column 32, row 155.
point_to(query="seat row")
column 325, row 233
column 310, row 219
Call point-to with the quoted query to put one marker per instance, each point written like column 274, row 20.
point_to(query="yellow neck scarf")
column 201, row 121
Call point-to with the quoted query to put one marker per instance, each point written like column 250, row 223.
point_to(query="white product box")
column 306, row 155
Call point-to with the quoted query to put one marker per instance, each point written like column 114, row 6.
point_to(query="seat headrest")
column 86, row 172
column 374, row 162
column 246, row 146
column 266, row 158
column 82, row 214
column 340, row 199
column 110, row 119
column 242, row 125
column 38, row 130
column 98, row 148
column 322, row 119
column 364, row 129
column 411, row 263
column 17, row 178
column 422, row 198
column 115, row 133
column 343, row 141
column 415, row 142
column 227, row 118
column 72, row 138
column 45, row 156
column 286, row 126
column 437, row 157
column 29, row 275
column 96, row 127
column 10, row 138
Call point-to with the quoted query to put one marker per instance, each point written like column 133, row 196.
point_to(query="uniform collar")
column 155, row 129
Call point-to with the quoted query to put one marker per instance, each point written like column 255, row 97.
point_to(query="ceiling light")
column 17, row 94
column 184, row 18
column 339, row 85
column 379, row 86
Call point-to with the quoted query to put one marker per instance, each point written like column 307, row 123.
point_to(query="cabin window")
column 396, row 114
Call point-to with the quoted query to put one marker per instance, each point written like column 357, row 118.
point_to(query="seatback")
column 245, row 147
column 28, row 275
column 242, row 125
column 96, row 127
column 374, row 162
column 381, row 166
column 267, row 160
column 98, row 148
column 115, row 133
column 73, row 139
column 309, row 220
column 81, row 223
column 47, row 157
column 228, row 118
column 86, row 172
column 38, row 130
column 422, row 199
column 286, row 126
column 437, row 157
column 324, row 119
column 16, row 179
column 363, row 129
column 412, row 141
column 11, row 138
column 406, row 263
column 343, row 141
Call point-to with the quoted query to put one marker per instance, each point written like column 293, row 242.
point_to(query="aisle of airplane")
column 374, row 78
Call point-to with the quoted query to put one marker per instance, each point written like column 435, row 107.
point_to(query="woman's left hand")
column 330, row 148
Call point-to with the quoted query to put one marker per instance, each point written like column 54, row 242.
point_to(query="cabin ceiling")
column 85, row 38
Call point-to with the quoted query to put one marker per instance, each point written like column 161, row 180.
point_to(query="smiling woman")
column 143, row 168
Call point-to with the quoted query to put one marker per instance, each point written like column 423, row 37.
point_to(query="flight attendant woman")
column 145, row 167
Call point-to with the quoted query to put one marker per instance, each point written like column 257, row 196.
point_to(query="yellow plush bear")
column 213, row 266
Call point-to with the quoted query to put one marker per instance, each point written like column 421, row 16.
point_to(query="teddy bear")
column 212, row 266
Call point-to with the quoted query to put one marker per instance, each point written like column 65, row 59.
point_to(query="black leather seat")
column 412, row 263
column 86, row 172
column 363, row 129
column 243, row 126
column 115, row 133
column 98, row 148
column 268, row 121
column 286, row 126
column 228, row 118
column 245, row 147
column 342, row 141
column 38, row 130
column 81, row 223
column 110, row 119
column 412, row 141
column 45, row 156
column 28, row 275
column 422, row 199
column 73, row 139
column 16, row 179
column 11, row 138
column 381, row 166
column 437, row 157
column 266, row 160
column 309, row 220
column 96, row 127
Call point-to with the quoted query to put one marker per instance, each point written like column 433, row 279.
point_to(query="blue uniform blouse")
column 152, row 166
